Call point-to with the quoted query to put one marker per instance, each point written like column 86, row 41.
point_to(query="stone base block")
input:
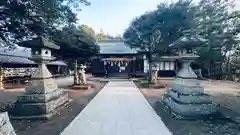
column 5, row 125
column 193, row 109
column 40, row 98
column 41, row 86
column 81, row 87
column 182, row 98
column 187, row 86
column 40, row 110
column 185, row 89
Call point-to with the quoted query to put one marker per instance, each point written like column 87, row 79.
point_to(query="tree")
column 102, row 35
column 88, row 30
column 75, row 43
column 170, row 19
column 207, row 19
column 24, row 19
column 220, row 27
column 118, row 36
column 75, row 46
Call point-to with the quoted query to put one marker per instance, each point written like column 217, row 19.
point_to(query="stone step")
column 37, row 110
column 229, row 113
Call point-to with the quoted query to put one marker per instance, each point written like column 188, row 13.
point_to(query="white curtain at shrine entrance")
column 161, row 66
column 167, row 65
column 120, row 63
column 172, row 65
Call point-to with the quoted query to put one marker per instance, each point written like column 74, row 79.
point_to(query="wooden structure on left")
column 15, row 65
column 42, row 97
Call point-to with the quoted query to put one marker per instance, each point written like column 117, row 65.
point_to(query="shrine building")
column 117, row 59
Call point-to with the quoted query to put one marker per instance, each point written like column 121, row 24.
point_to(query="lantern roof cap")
column 38, row 43
column 188, row 42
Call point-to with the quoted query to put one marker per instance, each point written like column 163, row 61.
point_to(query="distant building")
column 117, row 59
column 16, row 63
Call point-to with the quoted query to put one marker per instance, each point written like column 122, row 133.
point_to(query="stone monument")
column 81, row 77
column 186, row 98
column 42, row 97
column 5, row 125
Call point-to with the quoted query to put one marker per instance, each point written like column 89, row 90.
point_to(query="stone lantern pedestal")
column 42, row 97
column 186, row 98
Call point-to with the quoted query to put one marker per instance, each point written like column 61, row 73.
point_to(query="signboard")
column 122, row 68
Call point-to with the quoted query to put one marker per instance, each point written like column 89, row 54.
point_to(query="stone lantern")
column 42, row 96
column 186, row 98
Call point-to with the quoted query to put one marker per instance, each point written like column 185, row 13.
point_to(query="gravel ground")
column 189, row 127
column 196, row 127
column 57, row 123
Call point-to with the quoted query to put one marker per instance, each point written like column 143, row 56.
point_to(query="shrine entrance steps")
column 118, row 109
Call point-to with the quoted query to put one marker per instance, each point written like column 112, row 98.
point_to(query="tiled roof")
column 20, row 56
column 188, row 41
column 115, row 47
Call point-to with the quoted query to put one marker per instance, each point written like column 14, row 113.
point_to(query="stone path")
column 119, row 109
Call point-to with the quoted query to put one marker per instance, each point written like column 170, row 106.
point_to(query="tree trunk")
column 150, row 66
column 150, row 78
column 75, row 73
column 229, row 76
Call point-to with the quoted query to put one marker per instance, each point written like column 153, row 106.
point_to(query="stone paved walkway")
column 119, row 109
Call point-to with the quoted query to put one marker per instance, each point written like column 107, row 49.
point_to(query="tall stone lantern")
column 42, row 96
column 186, row 98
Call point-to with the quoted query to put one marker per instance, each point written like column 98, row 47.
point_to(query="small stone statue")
column 81, row 75
column 155, row 77
column 76, row 77
column 155, row 74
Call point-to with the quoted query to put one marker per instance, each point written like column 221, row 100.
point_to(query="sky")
column 114, row 16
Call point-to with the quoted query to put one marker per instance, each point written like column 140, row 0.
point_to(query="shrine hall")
column 117, row 59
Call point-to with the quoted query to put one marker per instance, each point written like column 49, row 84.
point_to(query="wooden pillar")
column 133, row 67
column 107, row 69
column 155, row 76
column 58, row 69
